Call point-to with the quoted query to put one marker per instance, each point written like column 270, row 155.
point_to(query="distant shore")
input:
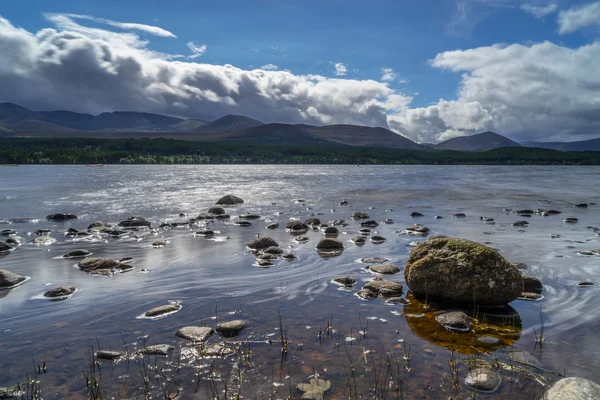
column 94, row 151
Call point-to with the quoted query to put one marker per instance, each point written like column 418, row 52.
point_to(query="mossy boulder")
column 461, row 271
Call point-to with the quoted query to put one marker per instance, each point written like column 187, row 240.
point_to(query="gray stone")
column 162, row 310
column 455, row 321
column 531, row 284
column 157, row 350
column 296, row 226
column 301, row 239
column 388, row 288
column 345, row 281
column 461, row 271
column 4, row 247
column 360, row 215
column 231, row 328
column 369, row 224
column 216, row 211
column 573, row 389
column 366, row 294
column 386, row 269
column 571, row 220
column 483, row 379
column 195, row 333
column 488, row 340
column 416, row 214
column 273, row 250
column 274, row 225
column 61, row 217
column 8, row 279
column 243, row 223
column 331, row 231
column 262, row 243
column 79, row 253
column 374, row 260
column 249, row 216
column 135, row 222
column 229, row 200
column 359, row 239
column 108, row 355
column 330, row 244
column 313, row 222
column 377, row 239
column 60, row 291
column 103, row 266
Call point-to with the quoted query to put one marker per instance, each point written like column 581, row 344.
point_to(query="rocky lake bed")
column 300, row 282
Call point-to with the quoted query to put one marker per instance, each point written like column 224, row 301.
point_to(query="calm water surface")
column 219, row 277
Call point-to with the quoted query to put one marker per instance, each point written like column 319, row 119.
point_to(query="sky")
column 429, row 70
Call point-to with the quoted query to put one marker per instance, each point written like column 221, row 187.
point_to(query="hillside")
column 230, row 123
column 583, row 145
column 479, row 142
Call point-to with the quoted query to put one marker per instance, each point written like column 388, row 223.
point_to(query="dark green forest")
column 170, row 151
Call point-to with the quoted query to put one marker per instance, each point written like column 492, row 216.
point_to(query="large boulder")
column 216, row 211
column 461, row 271
column 229, row 200
column 103, row 266
column 61, row 217
column 9, row 279
column 330, row 244
column 573, row 389
column 262, row 243
column 295, row 226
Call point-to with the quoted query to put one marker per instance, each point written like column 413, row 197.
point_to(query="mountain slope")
column 479, row 142
column 354, row 135
column 15, row 112
column 230, row 123
column 583, row 145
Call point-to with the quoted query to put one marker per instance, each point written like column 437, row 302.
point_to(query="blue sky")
column 311, row 37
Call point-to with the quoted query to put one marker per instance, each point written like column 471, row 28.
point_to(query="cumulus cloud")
column 197, row 50
column 388, row 74
column 539, row 12
column 340, row 69
column 540, row 91
column 576, row 18
column 270, row 67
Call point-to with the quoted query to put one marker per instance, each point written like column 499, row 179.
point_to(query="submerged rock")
column 462, row 271
column 360, row 215
column 229, row 200
column 573, row 389
column 369, row 224
column 374, row 260
column 61, row 291
column 162, row 310
column 366, row 294
column 216, row 350
column 9, row 279
column 345, row 281
column 61, row 217
column 96, row 226
column 459, row 215
column 135, row 222
column 417, row 229
column 377, row 239
column 483, row 379
column 359, row 239
column 249, row 216
column 195, row 333
column 103, row 266
column 231, row 328
column 520, row 223
column 385, row 288
column 331, row 231
column 571, row 220
column 313, row 222
column 157, row 349
column 108, row 355
column 416, row 214
column 273, row 250
column 243, row 223
column 301, row 239
column 294, row 226
column 386, row 269
column 206, row 233
column 262, row 243
column 329, row 244
column 455, row 321
column 274, row 225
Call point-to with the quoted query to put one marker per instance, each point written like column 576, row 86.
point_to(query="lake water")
column 220, row 278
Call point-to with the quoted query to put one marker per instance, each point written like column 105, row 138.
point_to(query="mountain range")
column 19, row 121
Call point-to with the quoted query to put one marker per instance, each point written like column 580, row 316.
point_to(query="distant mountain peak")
column 483, row 141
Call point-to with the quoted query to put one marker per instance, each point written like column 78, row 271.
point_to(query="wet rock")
column 265, row 263
column 313, row 222
column 157, row 350
column 249, row 216
column 162, row 310
column 61, row 217
column 366, row 294
column 585, row 284
column 385, row 269
column 520, row 223
column 438, row 236
column 580, row 205
column 360, row 215
column 486, row 219
column 41, row 232
column 396, row 300
column 289, row 256
column 525, row 212
column 343, row 203
column 377, row 239
column 4, row 247
column 531, row 284
column 216, row 211
column 60, row 291
column 388, row 287
column 8, row 232
column 331, row 231
column 374, row 260
column 206, row 233
column 9, row 279
column 301, row 239
column 195, row 333
column 359, row 240
column 222, row 216
column 459, row 215
column 388, row 221
column 216, row 350
column 369, row 224
column 438, row 217
column 273, row 250
column 43, row 241
column 272, row 226
column 108, row 355
column 462, row 271
column 117, row 232
column 135, row 222
column 266, row 256
column 345, row 281
column 204, row 216
column 483, row 379
column 262, row 243
column 13, row 241
column 159, row 243
column 365, row 231
column 528, row 296
column 329, row 244
column 229, row 200
column 416, row 214
column 294, row 226
column 573, row 389
column 455, row 321
column 243, row 223
column 96, row 226
column 519, row 265
column 571, row 220
column 231, row 328
column 417, row 229
column 103, row 266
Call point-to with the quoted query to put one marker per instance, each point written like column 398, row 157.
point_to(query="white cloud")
column 388, row 74
column 154, row 30
column 197, row 50
column 270, row 67
column 576, row 18
column 340, row 69
column 539, row 11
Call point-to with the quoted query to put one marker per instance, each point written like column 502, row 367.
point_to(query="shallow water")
column 211, row 277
